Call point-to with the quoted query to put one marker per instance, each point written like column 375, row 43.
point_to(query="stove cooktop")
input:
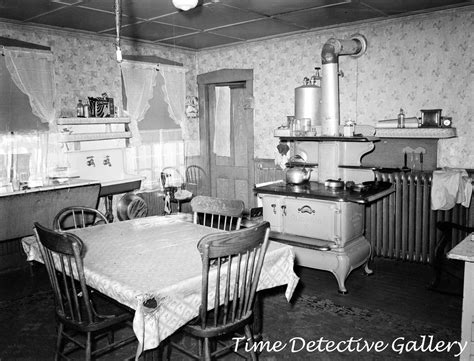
column 369, row 193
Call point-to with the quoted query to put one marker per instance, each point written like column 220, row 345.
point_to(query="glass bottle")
column 80, row 109
column 86, row 111
column 401, row 119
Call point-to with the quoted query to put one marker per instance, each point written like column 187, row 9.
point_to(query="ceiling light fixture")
column 185, row 5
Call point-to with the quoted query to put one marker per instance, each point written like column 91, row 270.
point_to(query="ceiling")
column 212, row 23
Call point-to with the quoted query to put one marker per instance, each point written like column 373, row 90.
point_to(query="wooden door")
column 230, row 177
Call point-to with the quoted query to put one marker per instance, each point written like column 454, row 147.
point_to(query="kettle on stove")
column 297, row 174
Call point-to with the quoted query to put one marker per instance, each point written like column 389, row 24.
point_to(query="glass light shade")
column 185, row 5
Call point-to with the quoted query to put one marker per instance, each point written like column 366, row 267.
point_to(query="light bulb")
column 185, row 5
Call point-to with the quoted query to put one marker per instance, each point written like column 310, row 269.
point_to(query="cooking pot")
column 298, row 175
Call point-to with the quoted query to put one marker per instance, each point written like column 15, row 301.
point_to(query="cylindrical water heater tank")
column 308, row 102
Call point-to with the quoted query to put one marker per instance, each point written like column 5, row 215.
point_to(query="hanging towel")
column 450, row 186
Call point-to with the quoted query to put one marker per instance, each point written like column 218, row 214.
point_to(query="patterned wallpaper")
column 418, row 62
column 85, row 65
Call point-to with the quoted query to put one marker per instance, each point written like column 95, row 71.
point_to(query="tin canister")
column 308, row 103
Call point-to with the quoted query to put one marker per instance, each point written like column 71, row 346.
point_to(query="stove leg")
column 341, row 272
column 367, row 270
column 353, row 255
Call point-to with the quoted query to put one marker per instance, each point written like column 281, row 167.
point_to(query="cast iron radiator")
column 403, row 226
column 266, row 171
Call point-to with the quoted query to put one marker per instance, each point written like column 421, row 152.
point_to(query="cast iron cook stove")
column 326, row 224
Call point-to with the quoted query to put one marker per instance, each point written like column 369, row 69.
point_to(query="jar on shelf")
column 80, row 109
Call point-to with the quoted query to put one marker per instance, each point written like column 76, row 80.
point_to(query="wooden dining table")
column 152, row 265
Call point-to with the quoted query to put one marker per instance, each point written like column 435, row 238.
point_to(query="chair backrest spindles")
column 62, row 254
column 232, row 262
column 78, row 217
column 225, row 214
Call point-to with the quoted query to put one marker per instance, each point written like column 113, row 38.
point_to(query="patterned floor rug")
column 309, row 328
column 351, row 333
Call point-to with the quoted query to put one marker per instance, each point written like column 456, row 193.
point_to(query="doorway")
column 231, row 175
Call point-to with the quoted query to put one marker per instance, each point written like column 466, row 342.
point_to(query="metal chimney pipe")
column 355, row 47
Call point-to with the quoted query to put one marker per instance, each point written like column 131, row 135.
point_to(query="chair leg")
column 59, row 342
column 206, row 355
column 89, row 346
column 249, row 336
column 168, row 348
column 110, row 337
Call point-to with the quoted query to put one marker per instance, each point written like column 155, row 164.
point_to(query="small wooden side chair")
column 231, row 266
column 195, row 178
column 75, row 313
column 225, row 214
column 78, row 217
column 442, row 265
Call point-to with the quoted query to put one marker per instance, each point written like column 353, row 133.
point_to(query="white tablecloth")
column 155, row 259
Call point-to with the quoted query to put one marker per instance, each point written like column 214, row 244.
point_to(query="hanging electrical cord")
column 118, row 23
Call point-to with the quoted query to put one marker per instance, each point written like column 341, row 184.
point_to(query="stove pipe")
column 355, row 46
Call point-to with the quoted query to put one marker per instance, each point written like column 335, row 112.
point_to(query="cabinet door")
column 310, row 218
column 272, row 211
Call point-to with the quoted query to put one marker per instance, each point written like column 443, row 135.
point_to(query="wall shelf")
column 82, row 121
column 108, row 134
column 328, row 139
column 87, row 137
column 433, row 133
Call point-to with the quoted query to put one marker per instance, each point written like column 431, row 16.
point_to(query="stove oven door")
column 309, row 218
column 336, row 222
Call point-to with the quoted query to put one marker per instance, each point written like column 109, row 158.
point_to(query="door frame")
column 224, row 76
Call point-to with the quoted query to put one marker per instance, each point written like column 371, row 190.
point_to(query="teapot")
column 298, row 175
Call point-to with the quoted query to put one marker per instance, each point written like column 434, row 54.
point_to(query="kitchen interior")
column 344, row 115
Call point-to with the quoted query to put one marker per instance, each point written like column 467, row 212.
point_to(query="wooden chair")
column 231, row 266
column 442, row 265
column 75, row 313
column 225, row 214
column 195, row 177
column 78, row 217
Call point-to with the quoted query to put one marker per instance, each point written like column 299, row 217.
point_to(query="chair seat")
column 99, row 325
column 195, row 329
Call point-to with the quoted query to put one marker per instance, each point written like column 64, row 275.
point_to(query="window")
column 162, row 144
column 15, row 110
column 23, row 136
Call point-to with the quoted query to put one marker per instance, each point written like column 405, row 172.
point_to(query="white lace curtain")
column 32, row 72
column 150, row 154
column 24, row 156
column 139, row 80
column 174, row 89
column 222, row 122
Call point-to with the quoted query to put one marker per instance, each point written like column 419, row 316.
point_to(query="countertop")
column 317, row 190
column 464, row 251
column 51, row 184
